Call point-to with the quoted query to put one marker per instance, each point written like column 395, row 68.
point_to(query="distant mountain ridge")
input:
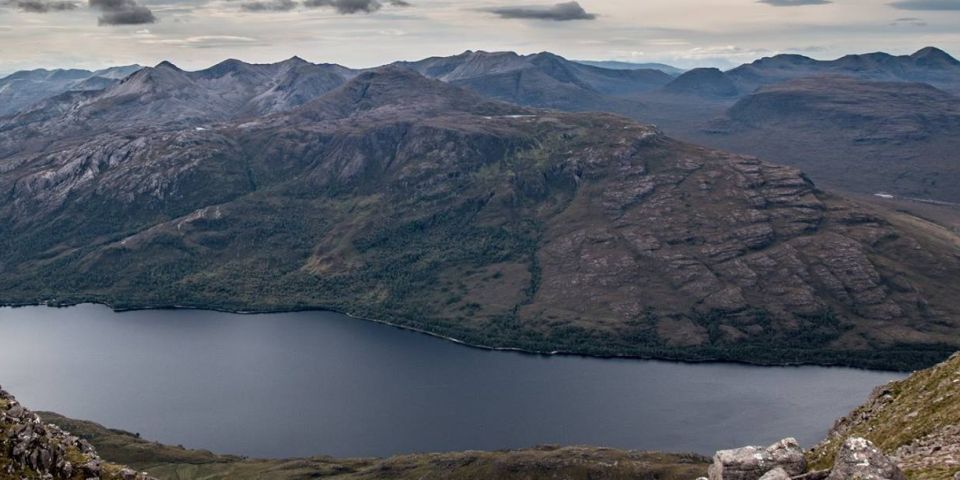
column 542, row 79
column 927, row 65
column 24, row 88
column 618, row 65
column 864, row 136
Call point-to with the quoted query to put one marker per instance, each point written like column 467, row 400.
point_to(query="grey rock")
column 776, row 474
column 813, row 475
column 859, row 459
column 751, row 463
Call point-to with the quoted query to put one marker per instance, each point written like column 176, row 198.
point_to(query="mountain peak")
column 934, row 56
column 167, row 64
column 294, row 60
column 705, row 81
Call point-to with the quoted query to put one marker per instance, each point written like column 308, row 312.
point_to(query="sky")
column 195, row 34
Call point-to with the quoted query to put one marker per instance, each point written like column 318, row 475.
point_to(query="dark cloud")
column 347, row 7
column 909, row 22
column 927, row 4
column 42, row 6
column 560, row 12
column 269, row 6
column 122, row 12
column 794, row 3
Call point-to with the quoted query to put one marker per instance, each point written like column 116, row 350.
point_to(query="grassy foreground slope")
column 174, row 463
column 916, row 420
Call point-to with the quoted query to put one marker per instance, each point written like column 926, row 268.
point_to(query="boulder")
column 859, row 459
column 752, row 463
column 776, row 474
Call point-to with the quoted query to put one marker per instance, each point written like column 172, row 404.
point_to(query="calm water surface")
column 299, row 384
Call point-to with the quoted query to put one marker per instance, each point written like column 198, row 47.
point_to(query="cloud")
column 348, row 7
column 43, row 6
column 204, row 41
column 909, row 22
column 560, row 12
column 122, row 12
column 794, row 3
column 927, row 4
column 269, row 6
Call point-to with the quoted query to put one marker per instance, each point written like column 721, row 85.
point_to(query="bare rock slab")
column 753, row 463
column 859, row 459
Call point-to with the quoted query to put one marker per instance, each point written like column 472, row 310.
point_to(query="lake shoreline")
column 316, row 376
column 640, row 357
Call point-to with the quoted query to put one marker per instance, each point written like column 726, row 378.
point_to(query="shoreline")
column 465, row 343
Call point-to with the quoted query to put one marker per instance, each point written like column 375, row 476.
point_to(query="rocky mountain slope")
column 412, row 201
column 166, row 97
column 849, row 152
column 31, row 449
column 862, row 136
column 22, row 89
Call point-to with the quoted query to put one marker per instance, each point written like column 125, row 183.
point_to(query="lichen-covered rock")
column 859, row 459
column 752, row 463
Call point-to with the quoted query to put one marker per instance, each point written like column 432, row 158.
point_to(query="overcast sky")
column 359, row 33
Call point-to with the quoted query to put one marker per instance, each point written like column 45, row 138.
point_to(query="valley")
column 392, row 196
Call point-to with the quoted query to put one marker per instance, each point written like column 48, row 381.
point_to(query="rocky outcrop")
column 859, row 459
column 31, row 449
column 753, row 463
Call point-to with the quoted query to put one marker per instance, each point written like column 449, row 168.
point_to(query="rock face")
column 859, row 459
column 29, row 448
column 776, row 474
column 783, row 459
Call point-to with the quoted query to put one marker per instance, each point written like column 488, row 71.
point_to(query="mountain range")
column 25, row 88
column 425, row 203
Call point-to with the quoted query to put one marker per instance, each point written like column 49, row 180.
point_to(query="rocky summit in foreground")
column 403, row 199
column 31, row 449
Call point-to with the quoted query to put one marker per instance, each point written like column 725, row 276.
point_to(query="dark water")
column 319, row 383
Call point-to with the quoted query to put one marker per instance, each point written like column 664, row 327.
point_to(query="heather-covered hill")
column 410, row 200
